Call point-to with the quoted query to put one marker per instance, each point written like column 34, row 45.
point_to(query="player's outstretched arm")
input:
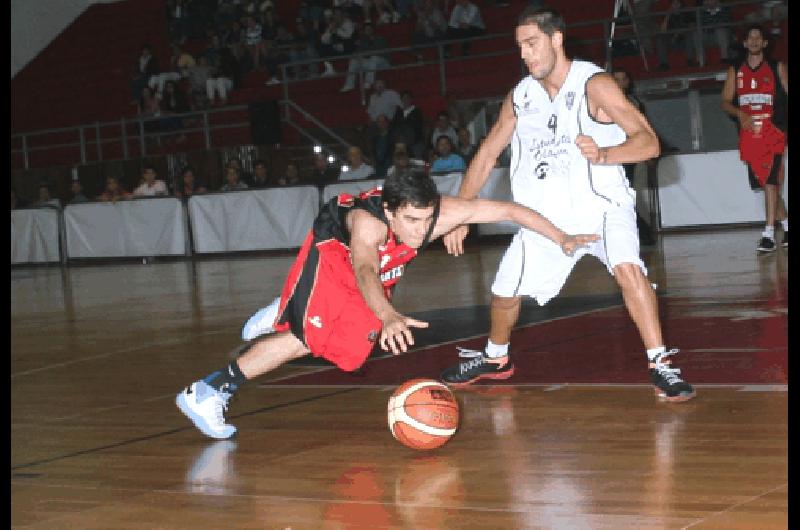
column 455, row 211
column 367, row 234
column 481, row 166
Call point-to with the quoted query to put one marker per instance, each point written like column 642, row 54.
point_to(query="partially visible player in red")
column 336, row 300
column 756, row 93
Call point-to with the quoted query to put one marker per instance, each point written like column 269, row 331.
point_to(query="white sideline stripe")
column 764, row 388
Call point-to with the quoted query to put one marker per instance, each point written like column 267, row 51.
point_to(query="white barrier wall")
column 708, row 189
column 34, row 235
column 142, row 227
column 252, row 220
column 353, row 187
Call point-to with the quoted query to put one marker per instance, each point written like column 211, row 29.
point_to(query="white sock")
column 651, row 354
column 785, row 224
column 493, row 351
column 769, row 231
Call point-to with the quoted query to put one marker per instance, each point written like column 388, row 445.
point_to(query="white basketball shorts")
column 535, row 266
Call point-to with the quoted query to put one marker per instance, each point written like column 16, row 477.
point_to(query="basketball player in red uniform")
column 756, row 93
column 336, row 300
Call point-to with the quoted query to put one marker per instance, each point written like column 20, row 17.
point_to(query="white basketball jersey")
column 548, row 171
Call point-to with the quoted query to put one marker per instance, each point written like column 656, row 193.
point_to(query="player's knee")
column 502, row 302
column 628, row 274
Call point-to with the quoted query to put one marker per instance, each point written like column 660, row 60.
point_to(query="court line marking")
column 173, row 431
column 167, row 342
column 733, row 506
column 549, row 387
column 464, row 339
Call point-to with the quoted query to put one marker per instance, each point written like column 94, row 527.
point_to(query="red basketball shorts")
column 323, row 307
column 760, row 150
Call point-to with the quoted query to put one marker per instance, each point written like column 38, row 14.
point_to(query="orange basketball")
column 423, row 414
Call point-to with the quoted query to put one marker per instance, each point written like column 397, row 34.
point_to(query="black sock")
column 228, row 379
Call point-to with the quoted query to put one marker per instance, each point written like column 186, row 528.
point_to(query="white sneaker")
column 206, row 407
column 346, row 88
column 262, row 321
column 273, row 81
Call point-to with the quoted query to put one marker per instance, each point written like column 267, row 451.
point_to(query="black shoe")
column 766, row 244
column 666, row 380
column 785, row 242
column 482, row 367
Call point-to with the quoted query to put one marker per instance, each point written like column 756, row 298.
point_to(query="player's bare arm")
column 783, row 75
column 481, row 166
column 367, row 234
column 607, row 103
column 727, row 105
column 456, row 211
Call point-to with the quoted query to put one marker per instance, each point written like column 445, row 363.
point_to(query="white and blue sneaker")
column 262, row 322
column 206, row 407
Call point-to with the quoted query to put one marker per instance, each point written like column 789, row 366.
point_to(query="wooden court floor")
column 98, row 353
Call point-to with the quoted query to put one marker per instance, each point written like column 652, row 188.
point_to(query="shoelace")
column 663, row 368
column 221, row 406
column 469, row 365
column 467, row 353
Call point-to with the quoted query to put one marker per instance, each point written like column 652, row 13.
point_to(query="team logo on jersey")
column 315, row 321
column 570, row 100
column 541, row 170
column 385, row 260
column 525, row 109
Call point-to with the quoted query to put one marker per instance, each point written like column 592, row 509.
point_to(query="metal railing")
column 91, row 136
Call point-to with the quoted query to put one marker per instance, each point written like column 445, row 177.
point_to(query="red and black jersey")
column 331, row 223
column 760, row 93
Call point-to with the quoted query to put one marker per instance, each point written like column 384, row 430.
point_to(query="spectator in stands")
column 444, row 127
column 446, row 160
column 711, row 14
column 244, row 176
column 199, row 76
column 338, row 38
column 466, row 147
column 408, row 125
column 212, row 50
column 382, row 146
column 356, row 169
column 113, row 191
column 401, row 160
column 273, row 57
column 370, row 44
column 178, row 20
column 684, row 24
column 311, row 11
column 352, row 8
column 233, row 181
column 146, row 68
column 383, row 11
column 227, row 11
column 77, row 193
column 173, row 102
column 180, row 62
column 225, row 78
column 303, row 48
column 151, row 185
column 291, row 176
column 465, row 22
column 254, row 44
column 429, row 28
column 189, row 184
column 383, row 101
column 322, row 173
column 149, row 107
column 45, row 198
column 260, row 175
column 233, row 38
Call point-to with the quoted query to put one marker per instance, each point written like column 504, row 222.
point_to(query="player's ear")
column 557, row 39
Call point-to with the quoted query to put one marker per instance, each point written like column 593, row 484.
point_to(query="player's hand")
column 589, row 149
column 571, row 243
column 454, row 240
column 746, row 121
column 396, row 335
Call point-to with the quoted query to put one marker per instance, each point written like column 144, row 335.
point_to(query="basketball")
column 423, row 414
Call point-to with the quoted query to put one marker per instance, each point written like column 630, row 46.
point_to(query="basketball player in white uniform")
column 570, row 128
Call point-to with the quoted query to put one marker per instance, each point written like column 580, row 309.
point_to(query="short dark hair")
column 547, row 20
column 187, row 169
column 759, row 28
column 446, row 138
column 147, row 166
column 409, row 187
